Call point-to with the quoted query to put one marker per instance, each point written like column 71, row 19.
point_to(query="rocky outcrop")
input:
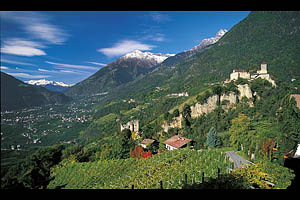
column 199, row 109
column 211, row 104
column 231, row 98
column 176, row 123
column 245, row 91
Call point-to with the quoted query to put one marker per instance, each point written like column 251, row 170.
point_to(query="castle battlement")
column 262, row 73
column 131, row 125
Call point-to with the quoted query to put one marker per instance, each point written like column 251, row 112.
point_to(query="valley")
column 235, row 93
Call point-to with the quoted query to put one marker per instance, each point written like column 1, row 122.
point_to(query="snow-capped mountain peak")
column 43, row 82
column 208, row 41
column 157, row 57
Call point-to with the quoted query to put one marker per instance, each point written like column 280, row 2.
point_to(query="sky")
column 70, row 46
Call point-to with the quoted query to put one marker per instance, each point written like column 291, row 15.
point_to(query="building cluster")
column 172, row 143
column 262, row 73
column 182, row 94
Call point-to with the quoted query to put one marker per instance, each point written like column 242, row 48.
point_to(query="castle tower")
column 136, row 126
column 263, row 68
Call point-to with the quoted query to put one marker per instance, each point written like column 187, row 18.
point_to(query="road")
column 236, row 159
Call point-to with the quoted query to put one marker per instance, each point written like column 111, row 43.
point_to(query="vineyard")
column 169, row 169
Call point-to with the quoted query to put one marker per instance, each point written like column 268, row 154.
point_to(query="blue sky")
column 70, row 46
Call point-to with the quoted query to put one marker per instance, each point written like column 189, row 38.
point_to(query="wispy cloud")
column 62, row 71
column 63, row 65
column 158, row 37
column 3, row 67
column 123, row 47
column 16, row 62
column 47, row 32
column 159, row 17
column 21, row 47
column 24, row 75
column 96, row 63
column 36, row 25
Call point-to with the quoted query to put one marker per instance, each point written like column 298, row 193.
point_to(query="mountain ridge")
column 54, row 86
column 15, row 94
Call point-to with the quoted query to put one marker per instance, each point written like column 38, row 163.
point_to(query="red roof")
column 263, row 62
column 297, row 98
column 177, row 141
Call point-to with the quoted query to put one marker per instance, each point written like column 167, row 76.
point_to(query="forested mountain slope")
column 267, row 36
column 16, row 94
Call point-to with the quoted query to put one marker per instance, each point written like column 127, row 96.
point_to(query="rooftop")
column 177, row 141
column 239, row 70
column 147, row 141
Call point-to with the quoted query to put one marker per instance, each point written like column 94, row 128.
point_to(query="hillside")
column 16, row 94
column 121, row 71
column 241, row 47
column 262, row 36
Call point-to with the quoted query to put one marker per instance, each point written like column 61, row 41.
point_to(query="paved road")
column 236, row 159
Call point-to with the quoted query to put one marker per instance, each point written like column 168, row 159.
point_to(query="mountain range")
column 123, row 70
column 50, row 85
column 262, row 36
column 16, row 94
column 132, row 66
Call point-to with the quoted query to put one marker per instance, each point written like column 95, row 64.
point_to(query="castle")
column 131, row 125
column 262, row 73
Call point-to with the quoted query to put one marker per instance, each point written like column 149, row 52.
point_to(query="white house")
column 176, row 142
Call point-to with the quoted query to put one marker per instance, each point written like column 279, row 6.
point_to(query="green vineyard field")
column 168, row 168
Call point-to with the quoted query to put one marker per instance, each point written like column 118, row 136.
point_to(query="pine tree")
column 212, row 139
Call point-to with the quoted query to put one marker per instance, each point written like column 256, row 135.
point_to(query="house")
column 297, row 98
column 294, row 153
column 176, row 142
column 147, row 142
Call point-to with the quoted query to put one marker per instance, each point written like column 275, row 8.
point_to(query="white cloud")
column 3, row 67
column 16, row 62
column 21, row 47
column 24, row 75
column 44, row 70
column 22, row 51
column 123, row 47
column 37, row 25
column 96, row 63
column 73, row 66
column 47, row 32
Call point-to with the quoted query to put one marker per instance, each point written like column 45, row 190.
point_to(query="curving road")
column 236, row 159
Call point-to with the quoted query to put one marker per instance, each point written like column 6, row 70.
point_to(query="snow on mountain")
column 156, row 57
column 54, row 86
column 44, row 82
column 209, row 41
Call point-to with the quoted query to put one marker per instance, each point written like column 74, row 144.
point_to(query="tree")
column 212, row 139
column 125, row 144
column 239, row 129
column 186, row 112
column 289, row 122
column 176, row 113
